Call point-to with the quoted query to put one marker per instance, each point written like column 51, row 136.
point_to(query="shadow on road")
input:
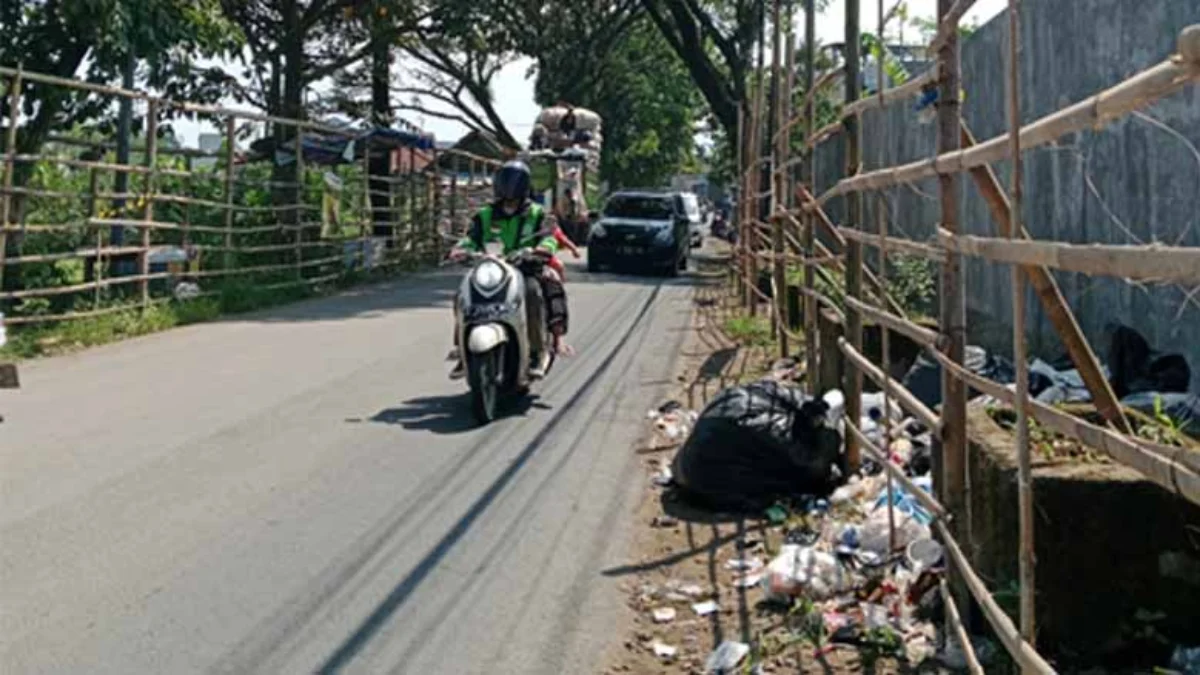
column 445, row 414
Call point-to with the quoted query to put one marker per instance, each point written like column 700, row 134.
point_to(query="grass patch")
column 234, row 297
column 751, row 331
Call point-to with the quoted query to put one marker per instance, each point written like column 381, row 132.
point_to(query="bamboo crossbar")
column 824, row 81
column 1157, row 466
column 152, row 225
column 894, row 243
column 879, row 455
column 107, row 252
column 164, row 103
column 255, row 269
column 1020, row 651
column 960, row 632
column 919, row 334
column 905, row 397
column 1149, row 85
column 908, row 89
column 87, row 286
column 1152, row 262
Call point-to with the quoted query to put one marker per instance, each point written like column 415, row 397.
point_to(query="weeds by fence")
column 82, row 235
column 784, row 226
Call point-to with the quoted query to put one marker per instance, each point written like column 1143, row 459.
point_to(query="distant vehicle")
column 643, row 229
column 691, row 208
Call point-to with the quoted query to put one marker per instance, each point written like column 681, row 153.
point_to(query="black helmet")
column 512, row 181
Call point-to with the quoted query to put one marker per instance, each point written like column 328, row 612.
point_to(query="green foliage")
column 750, row 331
column 648, row 105
column 911, row 282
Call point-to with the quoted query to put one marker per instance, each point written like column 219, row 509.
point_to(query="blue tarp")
column 332, row 149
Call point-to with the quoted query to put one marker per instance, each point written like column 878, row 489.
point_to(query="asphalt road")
column 302, row 491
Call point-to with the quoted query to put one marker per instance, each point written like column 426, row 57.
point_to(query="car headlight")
column 488, row 276
column 598, row 231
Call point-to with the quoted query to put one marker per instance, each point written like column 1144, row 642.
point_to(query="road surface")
column 301, row 491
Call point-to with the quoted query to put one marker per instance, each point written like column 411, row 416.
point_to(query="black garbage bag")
column 1137, row 368
column 924, row 379
column 757, row 443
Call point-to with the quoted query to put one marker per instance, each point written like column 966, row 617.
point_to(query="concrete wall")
column 1148, row 179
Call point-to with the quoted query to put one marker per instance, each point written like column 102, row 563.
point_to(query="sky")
column 514, row 101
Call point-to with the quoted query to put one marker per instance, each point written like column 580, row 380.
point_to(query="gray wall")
column 1149, row 180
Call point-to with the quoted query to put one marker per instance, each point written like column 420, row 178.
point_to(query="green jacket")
column 520, row 230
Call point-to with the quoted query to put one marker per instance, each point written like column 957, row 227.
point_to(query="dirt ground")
column 681, row 557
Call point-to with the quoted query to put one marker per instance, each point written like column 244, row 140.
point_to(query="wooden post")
column 364, row 234
column 298, row 233
column 791, row 310
column 854, row 210
column 739, row 214
column 151, row 187
column 98, row 263
column 885, row 347
column 230, row 143
column 778, row 188
column 808, row 175
column 10, row 149
column 829, row 331
column 1020, row 356
column 454, row 194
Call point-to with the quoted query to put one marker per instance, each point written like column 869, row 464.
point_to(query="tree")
column 649, row 105
column 715, row 40
column 100, row 37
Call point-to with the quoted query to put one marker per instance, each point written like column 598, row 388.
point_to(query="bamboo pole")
column 98, row 261
column 230, row 143
column 907, row 90
column 1052, row 300
column 953, row 450
column 910, row 247
column 907, row 399
column 10, row 149
column 960, row 632
column 885, row 339
column 779, row 269
column 948, row 25
column 1020, row 351
column 1023, row 653
column 788, row 193
column 854, row 217
column 1149, row 262
column 151, row 185
column 756, row 149
column 1095, row 111
column 808, row 175
column 298, row 235
column 365, row 233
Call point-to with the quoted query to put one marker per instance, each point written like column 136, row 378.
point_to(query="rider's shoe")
column 538, row 371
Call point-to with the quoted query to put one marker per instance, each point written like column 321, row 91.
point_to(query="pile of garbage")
column 862, row 577
column 1142, row 377
column 565, row 126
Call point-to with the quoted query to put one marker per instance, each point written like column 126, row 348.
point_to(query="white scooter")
column 493, row 322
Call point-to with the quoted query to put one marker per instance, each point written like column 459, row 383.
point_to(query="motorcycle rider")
column 517, row 222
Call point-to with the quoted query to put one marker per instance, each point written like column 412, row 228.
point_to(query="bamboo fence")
column 94, row 249
column 798, row 222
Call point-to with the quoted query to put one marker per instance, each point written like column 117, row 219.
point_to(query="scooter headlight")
column 488, row 276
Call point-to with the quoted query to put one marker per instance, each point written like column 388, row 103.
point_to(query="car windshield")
column 641, row 207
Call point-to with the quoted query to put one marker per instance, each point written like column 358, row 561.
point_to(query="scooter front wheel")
column 483, row 373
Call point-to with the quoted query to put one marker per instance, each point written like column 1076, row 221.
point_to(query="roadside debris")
column 726, row 657
column 664, row 615
column 672, row 421
column 664, row 651
column 705, row 608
